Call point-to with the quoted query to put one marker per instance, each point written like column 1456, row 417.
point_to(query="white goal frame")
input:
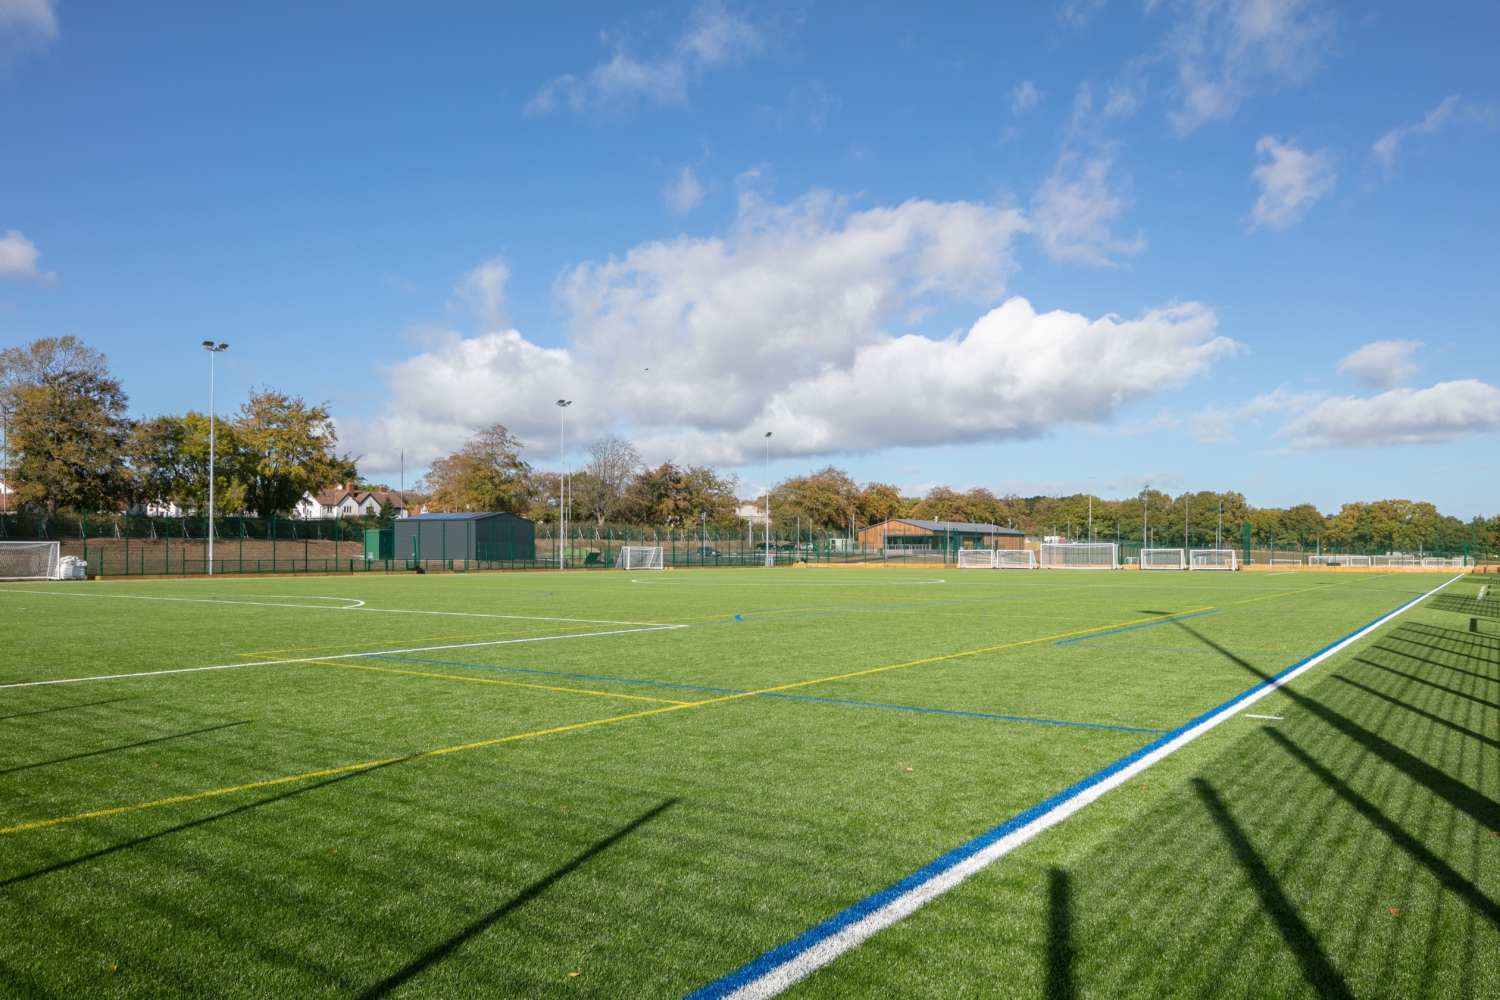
column 1015, row 559
column 640, row 557
column 29, row 560
column 1338, row 560
column 1163, row 559
column 1079, row 555
column 1213, row 559
column 976, row 558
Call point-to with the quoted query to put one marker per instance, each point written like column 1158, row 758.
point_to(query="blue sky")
column 1210, row 245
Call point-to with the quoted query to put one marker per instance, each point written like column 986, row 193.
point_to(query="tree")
column 710, row 497
column 824, row 500
column 601, row 487
column 659, row 496
column 486, row 474
column 67, row 423
column 288, row 451
column 168, row 459
column 879, row 502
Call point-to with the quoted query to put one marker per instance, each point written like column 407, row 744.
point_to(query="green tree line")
column 70, row 445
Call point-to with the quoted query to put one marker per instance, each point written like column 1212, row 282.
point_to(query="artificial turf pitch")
column 618, row 817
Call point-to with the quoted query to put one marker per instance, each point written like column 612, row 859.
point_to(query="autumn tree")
column 288, row 450
column 67, row 424
column 601, row 486
column 486, row 474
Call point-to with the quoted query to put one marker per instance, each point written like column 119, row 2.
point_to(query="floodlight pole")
column 1091, row 508
column 212, row 349
column 1145, row 519
column 562, row 480
column 770, row 557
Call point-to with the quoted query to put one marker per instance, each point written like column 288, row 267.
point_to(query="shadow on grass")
column 1317, row 970
column 148, row 838
column 1432, row 684
column 1408, row 706
column 437, row 953
column 1440, row 869
column 61, row 708
column 1060, row 951
column 1478, row 806
column 125, row 746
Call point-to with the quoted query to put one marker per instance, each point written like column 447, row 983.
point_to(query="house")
column 344, row 501
column 753, row 511
column 909, row 533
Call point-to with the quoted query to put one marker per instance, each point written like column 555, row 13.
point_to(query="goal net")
column 976, row 558
column 1338, row 560
column 1395, row 560
column 1015, row 559
column 1162, row 559
column 28, row 560
column 640, row 557
column 1213, row 559
column 1079, row 555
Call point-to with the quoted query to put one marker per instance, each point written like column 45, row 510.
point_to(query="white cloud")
column 18, row 257
column 26, row 24
column 1224, row 48
column 713, row 36
column 1445, row 412
column 685, row 193
column 1281, row 400
column 483, row 289
column 1023, row 97
column 696, row 347
column 1074, row 211
column 1213, row 424
column 1291, row 181
column 1383, row 364
column 1451, row 113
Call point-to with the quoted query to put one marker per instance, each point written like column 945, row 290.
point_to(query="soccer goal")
column 28, row 560
column 1396, row 559
column 976, row 558
column 1338, row 560
column 1079, row 555
column 639, row 557
column 1015, row 559
column 1213, row 559
column 1162, row 559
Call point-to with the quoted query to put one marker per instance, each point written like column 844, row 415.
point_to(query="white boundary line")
column 780, row 968
column 340, row 656
column 360, row 606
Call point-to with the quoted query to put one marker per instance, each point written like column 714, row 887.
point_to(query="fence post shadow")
column 1317, row 971
column 1060, row 950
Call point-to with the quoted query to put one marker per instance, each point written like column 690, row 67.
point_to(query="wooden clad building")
column 909, row 533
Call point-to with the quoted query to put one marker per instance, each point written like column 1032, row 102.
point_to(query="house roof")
column 956, row 527
column 462, row 516
column 336, row 496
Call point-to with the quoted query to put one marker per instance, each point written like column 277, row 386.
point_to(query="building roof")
column 957, row 527
column 463, row 516
column 337, row 495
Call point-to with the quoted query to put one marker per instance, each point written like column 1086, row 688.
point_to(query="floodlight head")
column 223, row 347
column 768, row 433
column 208, row 345
column 564, row 402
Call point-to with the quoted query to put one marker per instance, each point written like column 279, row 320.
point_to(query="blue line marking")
column 772, row 694
column 784, row 953
column 1132, row 628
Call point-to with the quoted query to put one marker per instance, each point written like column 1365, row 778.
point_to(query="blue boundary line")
column 772, row 694
column 781, row 954
column 1132, row 628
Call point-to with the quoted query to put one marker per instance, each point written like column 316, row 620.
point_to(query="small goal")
column 1079, row 555
column 1015, row 559
column 639, row 557
column 1213, row 559
column 1338, row 560
column 976, row 558
column 29, row 560
column 1162, row 559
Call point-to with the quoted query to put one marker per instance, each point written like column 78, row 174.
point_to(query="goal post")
column 1213, row 559
column 29, row 560
column 640, row 557
column 976, row 558
column 1015, row 559
column 1162, row 559
column 1079, row 555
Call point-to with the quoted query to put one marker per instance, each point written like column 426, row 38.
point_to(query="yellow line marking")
column 367, row 765
column 491, row 680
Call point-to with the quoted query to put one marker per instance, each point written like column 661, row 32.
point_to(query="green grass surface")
column 655, row 852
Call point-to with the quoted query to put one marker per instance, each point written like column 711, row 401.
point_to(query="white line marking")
column 1275, row 717
column 819, row 954
column 340, row 656
column 319, row 607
